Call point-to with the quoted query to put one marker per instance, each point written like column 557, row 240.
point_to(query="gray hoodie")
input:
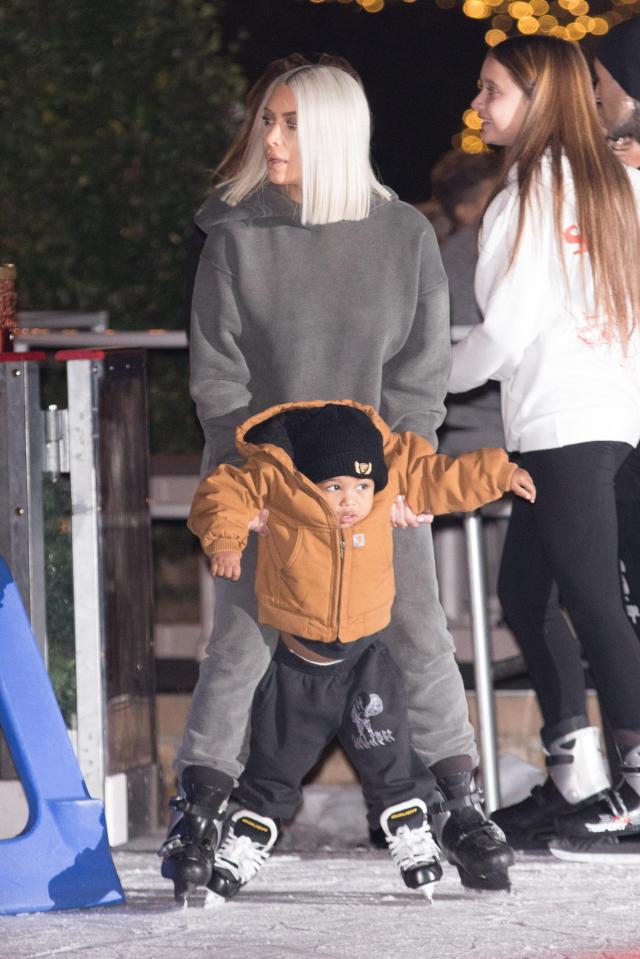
column 283, row 312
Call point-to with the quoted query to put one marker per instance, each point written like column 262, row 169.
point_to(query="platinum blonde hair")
column 334, row 134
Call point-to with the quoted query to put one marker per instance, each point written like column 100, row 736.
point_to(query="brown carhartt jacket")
column 313, row 578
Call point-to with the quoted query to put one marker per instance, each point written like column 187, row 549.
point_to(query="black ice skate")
column 577, row 777
column 475, row 845
column 609, row 825
column 412, row 845
column 530, row 824
column 246, row 847
column 189, row 849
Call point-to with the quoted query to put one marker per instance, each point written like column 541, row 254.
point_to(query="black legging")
column 564, row 549
column 628, row 503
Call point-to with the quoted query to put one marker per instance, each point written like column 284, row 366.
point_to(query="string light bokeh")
column 571, row 20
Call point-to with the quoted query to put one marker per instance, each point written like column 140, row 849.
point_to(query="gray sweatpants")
column 239, row 652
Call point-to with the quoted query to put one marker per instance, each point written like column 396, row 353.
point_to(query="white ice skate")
column 412, row 845
column 608, row 828
column 244, row 850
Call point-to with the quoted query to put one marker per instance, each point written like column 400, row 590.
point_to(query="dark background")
column 113, row 115
column 419, row 65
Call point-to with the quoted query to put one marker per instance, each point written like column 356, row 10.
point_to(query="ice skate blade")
column 212, row 900
column 427, row 891
column 181, row 893
column 609, row 853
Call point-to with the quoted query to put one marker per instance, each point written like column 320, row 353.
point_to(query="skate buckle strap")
column 169, row 846
column 181, row 804
column 625, row 768
column 469, row 800
column 558, row 760
column 487, row 828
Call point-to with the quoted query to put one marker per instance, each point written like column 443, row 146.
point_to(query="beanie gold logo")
column 363, row 469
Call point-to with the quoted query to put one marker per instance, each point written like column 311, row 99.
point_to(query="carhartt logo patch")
column 363, row 469
column 358, row 540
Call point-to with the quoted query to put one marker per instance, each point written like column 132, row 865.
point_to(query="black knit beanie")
column 619, row 52
column 337, row 440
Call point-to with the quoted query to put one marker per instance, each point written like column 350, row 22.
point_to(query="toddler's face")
column 350, row 498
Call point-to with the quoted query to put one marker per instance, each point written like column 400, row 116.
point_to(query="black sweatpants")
column 299, row 707
column 563, row 550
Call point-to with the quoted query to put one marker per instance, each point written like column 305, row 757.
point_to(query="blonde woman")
column 315, row 280
column 558, row 284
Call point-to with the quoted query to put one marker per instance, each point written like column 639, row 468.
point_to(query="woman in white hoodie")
column 558, row 284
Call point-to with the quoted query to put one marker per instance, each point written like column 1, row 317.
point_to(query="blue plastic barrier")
column 62, row 859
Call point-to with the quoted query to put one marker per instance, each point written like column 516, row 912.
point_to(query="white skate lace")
column 411, row 847
column 241, row 857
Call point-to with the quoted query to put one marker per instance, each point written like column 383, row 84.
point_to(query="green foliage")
column 112, row 115
column 56, row 498
column 174, row 425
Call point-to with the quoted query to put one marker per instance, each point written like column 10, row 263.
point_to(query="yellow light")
column 547, row 23
column 575, row 31
column 520, row 9
column 472, row 119
column 374, row 6
column 528, row 25
column 579, row 8
column 493, row 37
column 476, row 9
column 471, row 142
column 559, row 32
column 539, row 7
column 599, row 26
column 502, row 22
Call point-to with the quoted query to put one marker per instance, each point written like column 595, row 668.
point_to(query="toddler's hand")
column 226, row 564
column 259, row 524
column 402, row 515
column 523, row 485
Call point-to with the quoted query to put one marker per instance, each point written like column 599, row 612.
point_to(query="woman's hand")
column 226, row 564
column 403, row 516
column 259, row 524
column 523, row 485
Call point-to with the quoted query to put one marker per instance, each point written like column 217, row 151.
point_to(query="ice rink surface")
column 321, row 895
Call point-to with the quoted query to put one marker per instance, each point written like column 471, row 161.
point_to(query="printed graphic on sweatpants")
column 631, row 608
column 365, row 707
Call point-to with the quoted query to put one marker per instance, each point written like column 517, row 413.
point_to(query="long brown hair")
column 562, row 120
